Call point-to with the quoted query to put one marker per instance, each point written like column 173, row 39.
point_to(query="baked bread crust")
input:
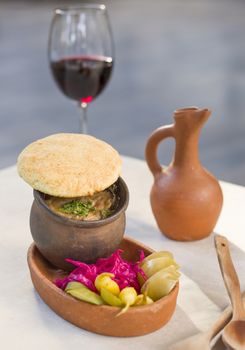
column 69, row 165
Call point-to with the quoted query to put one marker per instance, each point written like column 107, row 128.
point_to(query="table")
column 27, row 323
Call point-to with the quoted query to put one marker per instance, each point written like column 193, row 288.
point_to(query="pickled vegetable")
column 86, row 294
column 141, row 283
column 143, row 299
column 74, row 285
column 161, row 283
column 127, row 296
column 104, row 280
column 125, row 272
column 110, row 298
column 157, row 255
column 150, row 267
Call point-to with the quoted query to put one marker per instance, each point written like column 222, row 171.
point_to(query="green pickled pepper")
column 158, row 255
column 161, row 283
column 128, row 297
column 150, row 267
column 110, row 298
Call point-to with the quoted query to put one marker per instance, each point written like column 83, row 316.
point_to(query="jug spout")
column 187, row 127
column 191, row 117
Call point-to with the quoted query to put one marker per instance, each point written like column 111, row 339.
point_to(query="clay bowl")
column 136, row 321
column 58, row 237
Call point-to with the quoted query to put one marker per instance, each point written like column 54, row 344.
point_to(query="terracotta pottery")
column 186, row 199
column 136, row 321
column 58, row 237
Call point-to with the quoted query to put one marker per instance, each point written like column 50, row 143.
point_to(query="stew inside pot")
column 96, row 207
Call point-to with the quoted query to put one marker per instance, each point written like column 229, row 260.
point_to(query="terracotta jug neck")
column 187, row 127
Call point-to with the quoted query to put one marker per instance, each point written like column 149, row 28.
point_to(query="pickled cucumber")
column 74, row 285
column 86, row 294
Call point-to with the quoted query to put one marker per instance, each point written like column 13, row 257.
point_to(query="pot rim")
column 38, row 196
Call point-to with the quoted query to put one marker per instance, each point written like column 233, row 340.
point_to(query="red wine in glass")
column 81, row 53
column 82, row 78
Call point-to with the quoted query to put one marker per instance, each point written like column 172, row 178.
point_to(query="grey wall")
column 169, row 54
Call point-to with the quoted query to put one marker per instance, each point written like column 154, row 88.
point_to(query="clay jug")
column 186, row 199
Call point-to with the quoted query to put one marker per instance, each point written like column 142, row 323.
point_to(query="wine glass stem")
column 83, row 118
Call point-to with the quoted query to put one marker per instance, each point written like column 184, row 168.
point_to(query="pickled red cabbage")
column 125, row 272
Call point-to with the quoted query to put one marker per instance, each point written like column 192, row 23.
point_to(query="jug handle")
column 155, row 138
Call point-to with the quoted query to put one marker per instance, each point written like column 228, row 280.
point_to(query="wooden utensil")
column 234, row 333
column 202, row 340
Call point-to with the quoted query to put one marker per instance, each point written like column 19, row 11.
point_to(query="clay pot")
column 186, row 199
column 58, row 237
column 138, row 320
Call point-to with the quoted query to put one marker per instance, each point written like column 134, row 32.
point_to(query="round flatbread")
column 69, row 165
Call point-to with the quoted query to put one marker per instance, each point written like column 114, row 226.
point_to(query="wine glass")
column 81, row 53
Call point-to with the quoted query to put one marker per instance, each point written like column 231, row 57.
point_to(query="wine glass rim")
column 77, row 9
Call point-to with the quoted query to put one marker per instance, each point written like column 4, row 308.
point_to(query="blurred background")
column 169, row 54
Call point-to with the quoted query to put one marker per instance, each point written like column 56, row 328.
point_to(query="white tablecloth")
column 27, row 323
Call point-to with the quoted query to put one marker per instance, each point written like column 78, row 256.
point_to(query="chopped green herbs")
column 98, row 206
column 105, row 213
column 77, row 207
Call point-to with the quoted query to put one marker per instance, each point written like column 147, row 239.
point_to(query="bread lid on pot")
column 69, row 165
